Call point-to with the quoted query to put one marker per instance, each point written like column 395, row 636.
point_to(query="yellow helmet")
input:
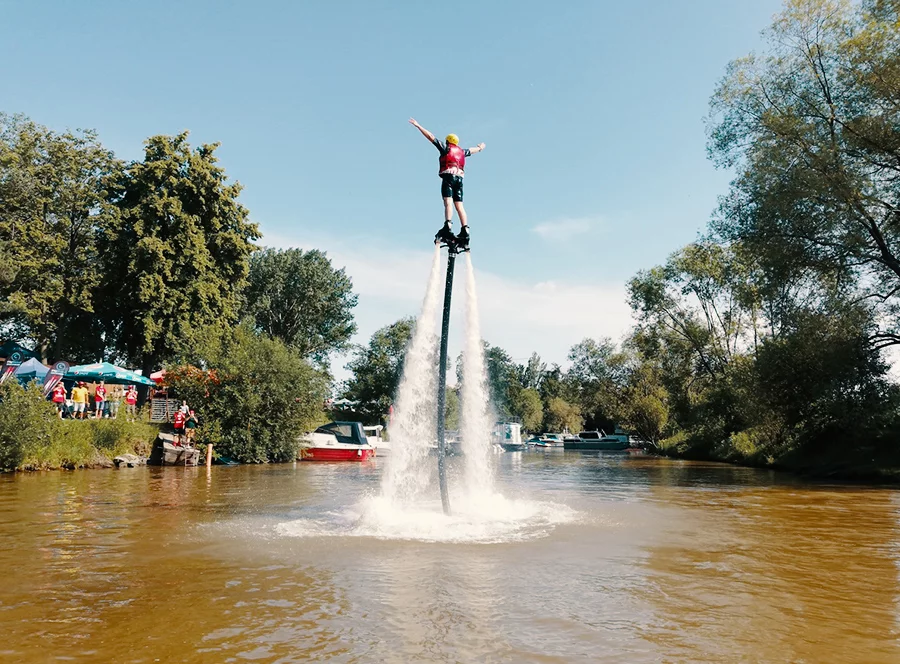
column 453, row 139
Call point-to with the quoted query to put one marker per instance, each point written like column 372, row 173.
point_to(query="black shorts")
column 451, row 187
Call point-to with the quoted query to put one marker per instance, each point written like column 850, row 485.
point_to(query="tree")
column 298, row 297
column 377, row 368
column 176, row 260
column 527, row 407
column 561, row 415
column 53, row 205
column 813, row 129
column 254, row 396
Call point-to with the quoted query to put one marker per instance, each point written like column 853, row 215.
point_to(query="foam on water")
column 490, row 521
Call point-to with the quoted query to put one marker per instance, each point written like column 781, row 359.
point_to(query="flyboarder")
column 452, row 164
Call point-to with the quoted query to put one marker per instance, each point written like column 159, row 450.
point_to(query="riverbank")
column 872, row 464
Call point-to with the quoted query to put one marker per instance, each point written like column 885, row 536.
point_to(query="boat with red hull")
column 336, row 441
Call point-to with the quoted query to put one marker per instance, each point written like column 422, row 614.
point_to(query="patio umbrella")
column 31, row 369
column 158, row 376
column 107, row 372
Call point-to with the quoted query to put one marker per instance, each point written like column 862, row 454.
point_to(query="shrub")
column 254, row 397
column 27, row 421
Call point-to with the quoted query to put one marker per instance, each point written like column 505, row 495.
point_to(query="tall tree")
column 376, row 370
column 298, row 297
column 812, row 127
column 53, row 205
column 176, row 259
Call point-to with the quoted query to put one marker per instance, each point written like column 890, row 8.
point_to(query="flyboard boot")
column 445, row 236
column 462, row 240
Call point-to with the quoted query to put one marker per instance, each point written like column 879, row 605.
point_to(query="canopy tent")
column 31, row 369
column 158, row 376
column 7, row 348
column 107, row 372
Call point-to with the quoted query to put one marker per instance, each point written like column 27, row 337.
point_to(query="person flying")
column 451, row 170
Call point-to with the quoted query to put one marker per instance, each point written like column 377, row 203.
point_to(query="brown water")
column 657, row 561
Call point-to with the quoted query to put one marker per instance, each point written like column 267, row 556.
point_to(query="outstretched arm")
column 427, row 134
column 477, row 148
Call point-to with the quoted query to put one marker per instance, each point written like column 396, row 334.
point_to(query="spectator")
column 59, row 398
column 115, row 397
column 80, row 399
column 99, row 401
column 189, row 426
column 131, row 404
column 185, row 409
column 178, row 423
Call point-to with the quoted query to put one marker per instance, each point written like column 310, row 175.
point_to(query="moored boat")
column 336, row 441
column 598, row 440
column 373, row 436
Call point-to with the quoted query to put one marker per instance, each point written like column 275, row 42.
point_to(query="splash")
column 415, row 414
column 475, row 420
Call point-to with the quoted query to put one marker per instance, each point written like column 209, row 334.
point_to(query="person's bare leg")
column 448, row 209
column 461, row 211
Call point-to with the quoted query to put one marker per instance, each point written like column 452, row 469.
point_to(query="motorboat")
column 598, row 440
column 548, row 440
column 508, row 436
column 373, row 437
column 336, row 441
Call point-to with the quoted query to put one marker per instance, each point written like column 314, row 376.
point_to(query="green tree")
column 176, row 260
column 254, row 396
column 527, row 407
column 812, row 127
column 561, row 415
column 298, row 297
column 377, row 368
column 53, row 205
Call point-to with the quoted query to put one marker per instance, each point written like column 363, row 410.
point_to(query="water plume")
column 413, row 427
column 475, row 420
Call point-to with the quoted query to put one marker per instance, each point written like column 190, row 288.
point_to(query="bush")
column 26, row 423
column 254, row 397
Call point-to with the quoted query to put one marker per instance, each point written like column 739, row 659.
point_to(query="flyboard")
column 453, row 250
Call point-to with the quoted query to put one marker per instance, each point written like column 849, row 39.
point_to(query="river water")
column 599, row 557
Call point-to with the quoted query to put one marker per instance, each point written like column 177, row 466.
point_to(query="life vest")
column 454, row 157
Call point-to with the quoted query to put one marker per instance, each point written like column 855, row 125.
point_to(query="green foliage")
column 299, row 298
column 562, row 415
column 377, row 369
column 527, row 407
column 26, row 423
column 176, row 259
column 53, row 206
column 254, row 396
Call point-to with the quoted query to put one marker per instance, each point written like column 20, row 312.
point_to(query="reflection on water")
column 666, row 561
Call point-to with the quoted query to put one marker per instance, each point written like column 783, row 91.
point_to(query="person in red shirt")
column 99, row 401
column 59, row 398
column 178, row 423
column 452, row 163
column 131, row 404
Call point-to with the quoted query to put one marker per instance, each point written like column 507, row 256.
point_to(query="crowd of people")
column 82, row 403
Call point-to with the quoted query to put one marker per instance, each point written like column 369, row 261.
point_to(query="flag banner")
column 53, row 376
column 13, row 362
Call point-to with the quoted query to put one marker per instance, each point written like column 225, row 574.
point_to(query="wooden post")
column 209, row 452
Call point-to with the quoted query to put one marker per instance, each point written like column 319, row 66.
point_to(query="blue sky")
column 592, row 112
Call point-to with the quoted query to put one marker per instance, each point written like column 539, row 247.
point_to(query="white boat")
column 548, row 440
column 373, row 436
column 336, row 441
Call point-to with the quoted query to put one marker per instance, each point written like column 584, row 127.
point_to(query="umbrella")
column 31, row 369
column 158, row 376
column 107, row 372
